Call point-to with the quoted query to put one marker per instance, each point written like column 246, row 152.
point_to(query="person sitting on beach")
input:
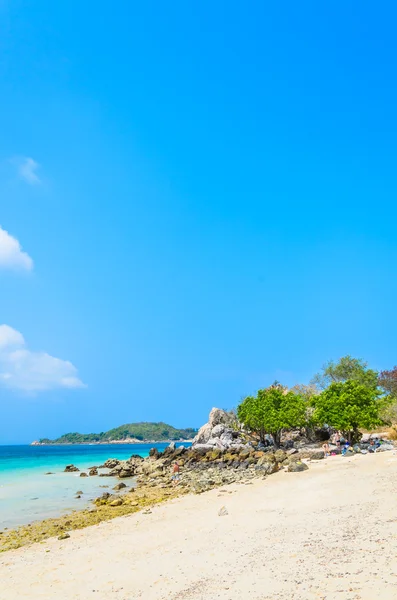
column 326, row 449
column 346, row 447
column 175, row 474
column 372, row 446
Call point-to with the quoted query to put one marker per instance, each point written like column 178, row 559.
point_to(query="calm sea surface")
column 27, row 494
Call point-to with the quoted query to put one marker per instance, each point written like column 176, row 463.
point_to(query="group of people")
column 343, row 445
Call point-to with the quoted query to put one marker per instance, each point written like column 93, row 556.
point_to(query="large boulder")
column 218, row 420
column 297, row 466
column 218, row 417
column 71, row 469
column 317, row 455
column 203, row 435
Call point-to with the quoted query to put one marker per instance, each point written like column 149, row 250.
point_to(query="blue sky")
column 205, row 194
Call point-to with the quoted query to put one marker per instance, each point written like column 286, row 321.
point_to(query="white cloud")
column 27, row 168
column 25, row 370
column 11, row 254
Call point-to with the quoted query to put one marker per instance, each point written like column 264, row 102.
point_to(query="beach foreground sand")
column 327, row 533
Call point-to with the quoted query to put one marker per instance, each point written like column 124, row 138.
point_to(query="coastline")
column 127, row 441
column 288, row 536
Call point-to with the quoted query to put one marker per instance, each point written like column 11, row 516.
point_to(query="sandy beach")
column 327, row 533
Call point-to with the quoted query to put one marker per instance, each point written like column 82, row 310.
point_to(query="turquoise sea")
column 27, row 494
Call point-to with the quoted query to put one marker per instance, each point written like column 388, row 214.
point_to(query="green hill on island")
column 155, row 432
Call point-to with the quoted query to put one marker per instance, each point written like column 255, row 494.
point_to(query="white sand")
column 328, row 533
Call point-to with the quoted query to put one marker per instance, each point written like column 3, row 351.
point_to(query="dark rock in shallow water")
column 79, row 492
column 119, row 486
column 93, row 471
column 49, row 473
column 111, row 463
column 71, row 469
column 83, row 475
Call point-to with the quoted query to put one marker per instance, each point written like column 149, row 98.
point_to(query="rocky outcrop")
column 111, row 463
column 71, row 469
column 217, row 433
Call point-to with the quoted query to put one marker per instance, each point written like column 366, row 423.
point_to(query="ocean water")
column 27, row 494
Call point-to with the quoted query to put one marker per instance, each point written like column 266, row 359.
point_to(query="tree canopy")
column 347, row 368
column 272, row 410
column 348, row 406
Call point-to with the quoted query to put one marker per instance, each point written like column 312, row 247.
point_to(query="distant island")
column 129, row 433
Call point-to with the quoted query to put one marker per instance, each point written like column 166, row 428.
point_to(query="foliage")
column 272, row 410
column 347, row 368
column 155, row 432
column 348, row 406
column 387, row 381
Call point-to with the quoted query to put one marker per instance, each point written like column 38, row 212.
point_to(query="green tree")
column 387, row 381
column 347, row 368
column 272, row 410
column 348, row 406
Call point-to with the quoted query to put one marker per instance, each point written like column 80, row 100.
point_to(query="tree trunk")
column 276, row 435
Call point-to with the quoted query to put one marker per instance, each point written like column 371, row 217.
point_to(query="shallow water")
column 27, row 494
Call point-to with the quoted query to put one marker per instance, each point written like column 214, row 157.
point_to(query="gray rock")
column 222, row 512
column 125, row 473
column 297, row 467
column 291, row 451
column 319, row 455
column 217, row 430
column 63, row 536
column 385, row 447
column 203, row 435
column 202, row 448
column 218, row 416
column 119, row 486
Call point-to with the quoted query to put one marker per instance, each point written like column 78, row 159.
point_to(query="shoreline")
column 129, row 441
column 288, row 536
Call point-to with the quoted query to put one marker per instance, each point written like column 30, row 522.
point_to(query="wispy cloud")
column 25, row 370
column 11, row 253
column 27, row 170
